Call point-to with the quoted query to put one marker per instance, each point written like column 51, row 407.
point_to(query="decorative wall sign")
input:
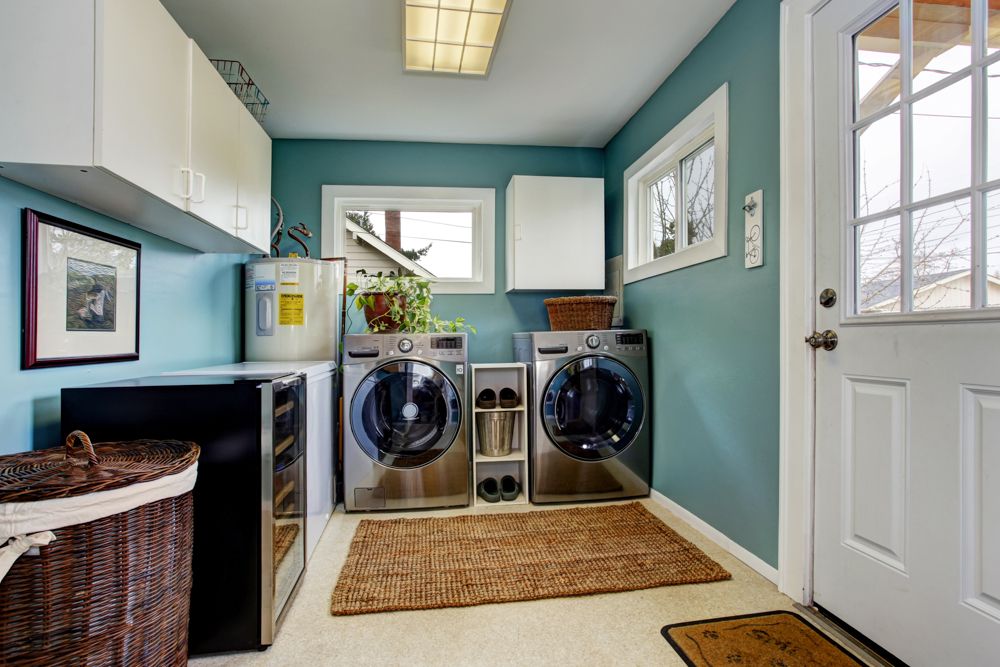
column 80, row 298
column 753, row 214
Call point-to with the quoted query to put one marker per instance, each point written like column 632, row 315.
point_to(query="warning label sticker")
column 288, row 274
column 291, row 310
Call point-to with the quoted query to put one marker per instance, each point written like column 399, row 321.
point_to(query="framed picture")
column 80, row 294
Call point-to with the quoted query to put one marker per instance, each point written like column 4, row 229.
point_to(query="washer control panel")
column 551, row 344
column 361, row 348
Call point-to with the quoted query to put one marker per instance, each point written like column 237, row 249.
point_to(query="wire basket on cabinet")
column 242, row 84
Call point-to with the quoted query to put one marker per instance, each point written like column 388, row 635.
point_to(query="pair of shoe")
column 492, row 492
column 487, row 399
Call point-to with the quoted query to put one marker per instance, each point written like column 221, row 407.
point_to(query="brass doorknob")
column 826, row 340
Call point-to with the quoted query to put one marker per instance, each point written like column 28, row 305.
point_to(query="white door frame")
column 796, row 287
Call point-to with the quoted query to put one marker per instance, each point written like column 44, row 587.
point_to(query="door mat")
column 771, row 638
column 460, row 561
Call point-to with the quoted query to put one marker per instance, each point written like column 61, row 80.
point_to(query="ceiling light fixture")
column 452, row 36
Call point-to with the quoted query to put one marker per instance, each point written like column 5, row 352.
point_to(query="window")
column 443, row 234
column 675, row 212
column 924, row 142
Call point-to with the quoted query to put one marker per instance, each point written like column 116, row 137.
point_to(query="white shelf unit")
column 497, row 377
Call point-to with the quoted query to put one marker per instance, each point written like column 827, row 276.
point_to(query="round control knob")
column 593, row 341
column 405, row 345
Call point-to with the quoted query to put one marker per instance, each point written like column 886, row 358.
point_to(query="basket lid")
column 63, row 472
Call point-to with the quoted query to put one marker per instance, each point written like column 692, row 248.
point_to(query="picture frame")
column 80, row 294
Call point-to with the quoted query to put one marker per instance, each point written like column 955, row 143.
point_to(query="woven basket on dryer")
column 580, row 313
column 95, row 553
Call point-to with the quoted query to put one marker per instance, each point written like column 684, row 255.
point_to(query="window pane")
column 878, row 266
column 942, row 141
column 993, row 122
column 942, row 256
column 942, row 40
column 876, row 65
column 993, row 248
column 699, row 193
column 878, row 170
column 993, row 29
column 434, row 244
column 663, row 214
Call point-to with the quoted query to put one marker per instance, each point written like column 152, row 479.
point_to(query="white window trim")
column 709, row 121
column 338, row 199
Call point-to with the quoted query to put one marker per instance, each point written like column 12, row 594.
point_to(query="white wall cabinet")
column 253, row 223
column 555, row 233
column 105, row 105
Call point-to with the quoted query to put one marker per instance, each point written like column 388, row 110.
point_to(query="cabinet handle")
column 246, row 218
column 201, row 177
column 188, row 184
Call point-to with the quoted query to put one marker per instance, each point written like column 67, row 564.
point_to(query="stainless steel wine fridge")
column 249, row 500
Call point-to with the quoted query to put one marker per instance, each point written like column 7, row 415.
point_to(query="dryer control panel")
column 360, row 348
column 551, row 344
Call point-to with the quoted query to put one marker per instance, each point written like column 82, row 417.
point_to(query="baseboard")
column 754, row 562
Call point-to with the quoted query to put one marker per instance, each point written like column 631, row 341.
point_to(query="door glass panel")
column 942, row 40
column 405, row 415
column 993, row 248
column 593, row 408
column 993, row 122
column 942, row 141
column 879, row 266
column 993, row 28
column 878, row 167
column 876, row 65
column 699, row 193
column 942, row 256
column 663, row 214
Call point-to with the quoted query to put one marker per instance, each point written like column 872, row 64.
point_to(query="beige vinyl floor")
column 609, row 629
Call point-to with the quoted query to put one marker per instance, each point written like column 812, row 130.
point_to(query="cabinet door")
column 559, row 215
column 215, row 141
column 254, row 219
column 142, row 73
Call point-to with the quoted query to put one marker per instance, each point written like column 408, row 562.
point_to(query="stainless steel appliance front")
column 589, row 414
column 405, row 436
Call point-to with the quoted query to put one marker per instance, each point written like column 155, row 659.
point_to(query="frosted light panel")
column 455, row 36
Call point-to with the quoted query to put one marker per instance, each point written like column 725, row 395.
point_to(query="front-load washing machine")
column 405, row 443
column 590, row 424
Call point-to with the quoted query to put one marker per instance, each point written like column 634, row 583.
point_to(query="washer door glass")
column 593, row 408
column 405, row 414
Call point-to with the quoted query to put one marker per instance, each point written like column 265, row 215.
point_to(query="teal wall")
column 301, row 167
column 714, row 326
column 190, row 305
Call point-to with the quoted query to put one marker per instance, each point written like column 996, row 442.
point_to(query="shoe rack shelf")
column 515, row 464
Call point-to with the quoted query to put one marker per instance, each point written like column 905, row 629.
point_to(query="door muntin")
column 405, row 414
column 593, row 408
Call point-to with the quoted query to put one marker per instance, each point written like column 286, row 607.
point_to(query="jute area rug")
column 397, row 564
column 774, row 639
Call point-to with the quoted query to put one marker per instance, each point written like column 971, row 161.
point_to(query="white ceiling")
column 566, row 73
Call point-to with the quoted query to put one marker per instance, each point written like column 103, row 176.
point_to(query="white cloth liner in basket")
column 30, row 524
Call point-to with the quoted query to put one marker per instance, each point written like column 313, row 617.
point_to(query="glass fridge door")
column 289, row 493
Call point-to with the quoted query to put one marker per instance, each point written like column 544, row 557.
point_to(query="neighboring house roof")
column 396, row 256
column 887, row 291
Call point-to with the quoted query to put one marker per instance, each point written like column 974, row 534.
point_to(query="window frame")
column 709, row 122
column 481, row 202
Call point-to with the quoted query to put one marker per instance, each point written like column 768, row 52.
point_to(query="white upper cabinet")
column 555, row 233
column 215, row 145
column 143, row 66
column 254, row 192
column 108, row 104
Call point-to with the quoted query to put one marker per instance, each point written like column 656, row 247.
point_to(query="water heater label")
column 263, row 278
column 291, row 311
column 288, row 274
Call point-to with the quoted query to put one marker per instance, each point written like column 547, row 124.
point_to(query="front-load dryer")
column 590, row 422
column 405, row 443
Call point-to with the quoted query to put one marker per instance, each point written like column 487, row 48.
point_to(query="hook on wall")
column 751, row 207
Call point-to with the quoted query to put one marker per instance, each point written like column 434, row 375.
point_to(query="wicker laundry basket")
column 580, row 313
column 108, row 580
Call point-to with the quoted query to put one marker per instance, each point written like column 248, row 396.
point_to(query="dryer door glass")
column 593, row 408
column 405, row 414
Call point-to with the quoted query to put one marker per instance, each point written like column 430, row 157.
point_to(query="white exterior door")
column 907, row 469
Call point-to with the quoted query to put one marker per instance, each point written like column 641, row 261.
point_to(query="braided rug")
column 426, row 563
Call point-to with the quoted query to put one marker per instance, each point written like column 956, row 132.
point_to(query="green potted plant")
column 394, row 303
